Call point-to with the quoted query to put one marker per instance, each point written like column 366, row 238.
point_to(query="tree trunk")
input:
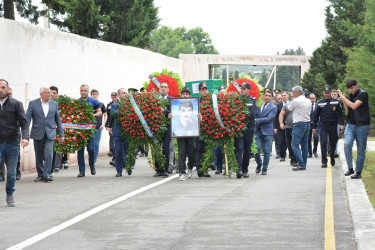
column 9, row 9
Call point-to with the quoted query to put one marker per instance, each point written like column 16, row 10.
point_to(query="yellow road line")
column 329, row 223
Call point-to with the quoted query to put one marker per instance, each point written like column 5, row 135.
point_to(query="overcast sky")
column 251, row 27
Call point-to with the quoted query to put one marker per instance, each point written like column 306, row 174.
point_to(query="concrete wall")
column 32, row 57
column 196, row 67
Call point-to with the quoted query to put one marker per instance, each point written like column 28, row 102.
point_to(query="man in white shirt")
column 301, row 107
column 45, row 115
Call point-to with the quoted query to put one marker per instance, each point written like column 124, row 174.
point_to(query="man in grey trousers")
column 45, row 115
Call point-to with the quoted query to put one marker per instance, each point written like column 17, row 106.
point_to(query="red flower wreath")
column 254, row 91
column 172, row 84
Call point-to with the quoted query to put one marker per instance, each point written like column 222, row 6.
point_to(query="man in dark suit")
column 45, row 115
column 277, row 129
column 160, row 171
column 315, row 137
column 264, row 131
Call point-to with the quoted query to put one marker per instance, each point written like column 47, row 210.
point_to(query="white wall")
column 42, row 57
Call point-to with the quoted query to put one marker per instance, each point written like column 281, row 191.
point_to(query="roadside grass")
column 368, row 175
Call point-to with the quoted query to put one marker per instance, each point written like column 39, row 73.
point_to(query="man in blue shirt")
column 84, row 90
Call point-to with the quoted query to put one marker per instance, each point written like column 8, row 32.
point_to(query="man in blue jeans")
column 100, row 121
column 264, row 130
column 358, row 126
column 12, row 115
column 301, row 107
column 84, row 91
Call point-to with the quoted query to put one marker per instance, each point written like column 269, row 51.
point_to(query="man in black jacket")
column 277, row 130
column 12, row 115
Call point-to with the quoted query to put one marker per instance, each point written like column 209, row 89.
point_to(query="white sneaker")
column 190, row 173
column 182, row 177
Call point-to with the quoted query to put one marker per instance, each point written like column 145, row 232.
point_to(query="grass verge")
column 367, row 177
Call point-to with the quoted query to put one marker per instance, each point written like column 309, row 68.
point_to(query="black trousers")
column 328, row 130
column 186, row 147
column 277, row 143
column 315, row 139
column 282, row 142
column 288, row 137
column 166, row 143
column 200, row 145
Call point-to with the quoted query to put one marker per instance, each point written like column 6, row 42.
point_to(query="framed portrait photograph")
column 185, row 122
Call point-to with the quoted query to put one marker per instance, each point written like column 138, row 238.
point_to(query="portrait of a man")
column 185, row 117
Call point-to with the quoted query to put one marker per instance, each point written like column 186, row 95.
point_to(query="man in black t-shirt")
column 111, row 140
column 358, row 126
column 100, row 122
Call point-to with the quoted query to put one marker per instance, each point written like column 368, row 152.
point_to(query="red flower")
column 254, row 91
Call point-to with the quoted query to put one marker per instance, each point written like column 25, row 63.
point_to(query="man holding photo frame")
column 185, row 127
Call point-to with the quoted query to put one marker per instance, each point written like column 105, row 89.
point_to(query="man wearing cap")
column 264, row 130
column 243, row 144
column 203, row 91
column 160, row 171
column 111, row 141
column 186, row 147
column 222, row 89
column 330, row 114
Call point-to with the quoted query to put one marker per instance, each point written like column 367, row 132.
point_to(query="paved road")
column 283, row 210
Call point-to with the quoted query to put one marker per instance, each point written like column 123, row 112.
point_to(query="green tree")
column 361, row 59
column 24, row 7
column 288, row 76
column 264, row 77
column 172, row 42
column 329, row 59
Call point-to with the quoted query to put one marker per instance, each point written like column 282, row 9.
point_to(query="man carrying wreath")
column 243, row 144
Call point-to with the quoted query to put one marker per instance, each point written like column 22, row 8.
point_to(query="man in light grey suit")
column 45, row 115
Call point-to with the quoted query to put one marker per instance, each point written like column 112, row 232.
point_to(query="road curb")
column 361, row 210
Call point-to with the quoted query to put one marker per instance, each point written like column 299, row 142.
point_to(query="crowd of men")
column 293, row 124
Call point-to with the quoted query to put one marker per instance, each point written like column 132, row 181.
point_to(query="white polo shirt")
column 301, row 107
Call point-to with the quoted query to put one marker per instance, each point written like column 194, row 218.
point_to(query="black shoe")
column 81, row 174
column 213, row 166
column 298, row 168
column 118, row 175
column 203, row 174
column 264, row 172
column 157, row 174
column 246, row 175
column 239, row 174
column 336, row 155
column 93, row 171
column 316, row 155
column 324, row 165
column 219, row 171
column 310, row 156
column 349, row 172
column 66, row 166
column 257, row 170
column 277, row 156
column 113, row 163
column 47, row 178
column 333, row 162
column 39, row 179
column 130, row 172
column 164, row 174
column 2, row 178
column 356, row 175
column 282, row 159
column 110, row 154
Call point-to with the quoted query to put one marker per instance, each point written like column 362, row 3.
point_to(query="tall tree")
column 361, row 59
column 172, row 42
column 289, row 76
column 329, row 60
column 25, row 8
